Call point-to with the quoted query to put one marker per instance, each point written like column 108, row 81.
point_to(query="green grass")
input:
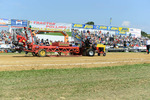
column 129, row 82
column 58, row 34
column 12, row 53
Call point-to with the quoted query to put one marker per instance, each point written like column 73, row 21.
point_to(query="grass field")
column 129, row 82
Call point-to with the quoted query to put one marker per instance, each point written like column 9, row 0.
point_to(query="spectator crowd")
column 112, row 40
column 5, row 37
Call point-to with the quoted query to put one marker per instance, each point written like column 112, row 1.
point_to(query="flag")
column 110, row 20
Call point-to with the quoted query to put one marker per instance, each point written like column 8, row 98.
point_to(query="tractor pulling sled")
column 27, row 43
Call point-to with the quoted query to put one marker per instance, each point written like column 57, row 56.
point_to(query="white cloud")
column 126, row 23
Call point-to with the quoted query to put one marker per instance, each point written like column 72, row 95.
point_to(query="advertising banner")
column 121, row 33
column 19, row 23
column 102, row 27
column 114, row 28
column 50, row 26
column 84, row 26
column 123, row 29
column 135, row 32
column 77, row 25
column 88, row 26
column 4, row 22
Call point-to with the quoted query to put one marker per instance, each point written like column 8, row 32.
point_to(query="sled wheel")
column 42, row 53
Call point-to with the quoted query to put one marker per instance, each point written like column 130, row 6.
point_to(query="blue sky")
column 128, row 13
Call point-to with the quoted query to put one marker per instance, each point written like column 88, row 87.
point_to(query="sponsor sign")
column 111, row 29
column 121, row 33
column 50, row 26
column 88, row 26
column 100, row 27
column 77, row 25
column 19, row 23
column 123, row 29
column 114, row 28
column 84, row 26
column 135, row 32
column 4, row 22
column 103, row 27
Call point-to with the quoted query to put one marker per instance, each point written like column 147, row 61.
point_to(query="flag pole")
column 110, row 21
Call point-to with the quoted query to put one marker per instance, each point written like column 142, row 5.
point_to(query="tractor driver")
column 87, row 42
column 94, row 45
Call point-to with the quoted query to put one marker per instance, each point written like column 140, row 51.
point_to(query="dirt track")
column 22, row 62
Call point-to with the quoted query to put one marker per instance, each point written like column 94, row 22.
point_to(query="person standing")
column 148, row 45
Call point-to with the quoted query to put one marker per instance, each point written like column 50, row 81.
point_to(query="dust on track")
column 22, row 62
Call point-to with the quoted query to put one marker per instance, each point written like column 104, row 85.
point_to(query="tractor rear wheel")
column 90, row 52
column 42, row 53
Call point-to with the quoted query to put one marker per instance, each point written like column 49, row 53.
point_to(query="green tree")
column 145, row 34
column 90, row 23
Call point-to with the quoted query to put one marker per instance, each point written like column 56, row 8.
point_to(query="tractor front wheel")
column 104, row 54
column 42, row 53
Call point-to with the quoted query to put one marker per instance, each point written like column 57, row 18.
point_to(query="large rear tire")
column 90, row 52
column 42, row 53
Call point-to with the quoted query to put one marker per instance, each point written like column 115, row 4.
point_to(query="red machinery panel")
column 61, row 44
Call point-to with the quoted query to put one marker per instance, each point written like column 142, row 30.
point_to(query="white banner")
column 4, row 22
column 52, row 37
column 135, row 32
column 50, row 26
column 5, row 46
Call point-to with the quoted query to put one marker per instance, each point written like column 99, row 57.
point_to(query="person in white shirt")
column 148, row 45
